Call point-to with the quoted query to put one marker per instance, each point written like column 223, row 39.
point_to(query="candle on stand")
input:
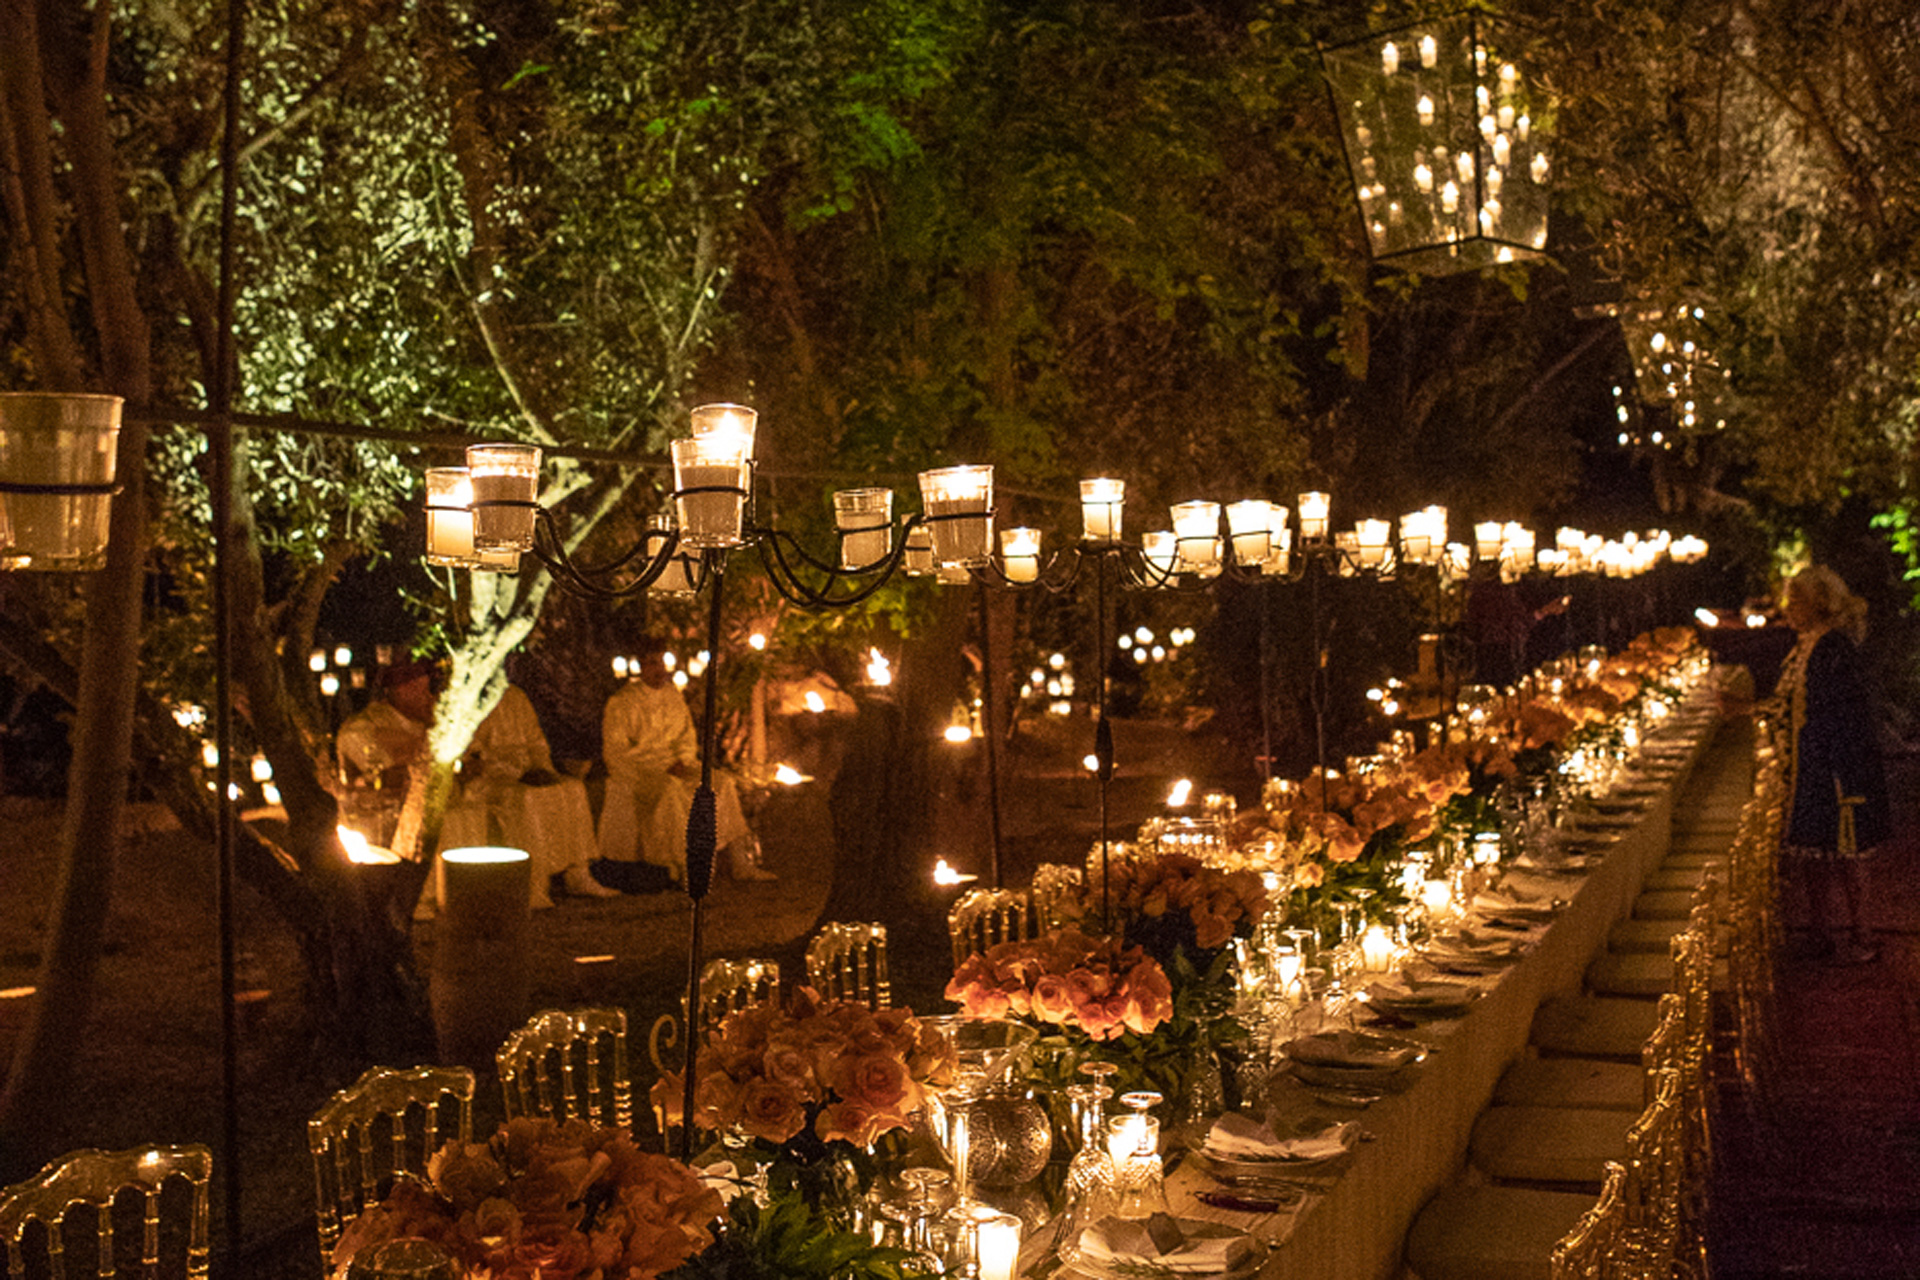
column 505, row 479
column 1486, row 539
column 1101, row 502
column 865, row 520
column 1371, row 536
column 1313, row 514
column 728, row 428
column 1158, row 549
column 710, row 477
column 1020, row 554
column 959, row 508
column 1196, row 529
column 1250, row 523
column 450, row 524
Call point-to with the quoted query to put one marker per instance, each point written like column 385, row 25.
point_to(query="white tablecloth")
column 1354, row 1224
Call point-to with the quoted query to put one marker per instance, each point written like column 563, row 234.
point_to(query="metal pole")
column 989, row 727
column 702, row 845
column 1102, row 732
column 220, row 447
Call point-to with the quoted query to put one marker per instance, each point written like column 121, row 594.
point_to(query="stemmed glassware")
column 1133, row 1140
column 1093, row 1178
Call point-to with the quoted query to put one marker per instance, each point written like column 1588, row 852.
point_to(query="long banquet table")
column 1353, row 1225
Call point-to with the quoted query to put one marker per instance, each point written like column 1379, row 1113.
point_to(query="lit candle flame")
column 879, row 670
column 359, row 851
column 815, row 703
column 959, row 733
column 1178, row 796
column 788, row 776
column 943, row 873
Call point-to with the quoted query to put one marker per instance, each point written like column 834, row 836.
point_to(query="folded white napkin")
column 1240, row 1137
column 1421, row 995
column 1494, row 902
column 1350, row 1049
column 1175, row 1244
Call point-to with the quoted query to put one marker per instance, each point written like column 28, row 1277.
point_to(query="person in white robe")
column 510, row 794
column 652, row 756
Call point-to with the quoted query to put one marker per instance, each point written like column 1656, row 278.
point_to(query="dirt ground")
column 149, row 1070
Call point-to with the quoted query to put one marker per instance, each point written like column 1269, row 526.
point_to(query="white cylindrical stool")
column 480, row 985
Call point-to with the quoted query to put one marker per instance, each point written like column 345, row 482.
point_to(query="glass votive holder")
column 1020, row 554
column 1101, row 501
column 1313, row 514
column 710, row 479
column 959, row 507
column 1250, row 524
column 728, row 428
column 865, row 520
column 61, row 451
column 1196, row 530
column 919, row 553
column 505, row 480
column 1159, row 549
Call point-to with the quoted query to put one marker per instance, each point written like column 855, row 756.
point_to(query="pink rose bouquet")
column 1066, row 979
column 547, row 1200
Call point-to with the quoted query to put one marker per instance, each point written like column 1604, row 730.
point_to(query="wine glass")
column 1133, row 1140
column 1093, row 1179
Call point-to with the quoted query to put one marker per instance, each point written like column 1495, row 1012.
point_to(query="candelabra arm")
column 779, row 550
column 591, row 580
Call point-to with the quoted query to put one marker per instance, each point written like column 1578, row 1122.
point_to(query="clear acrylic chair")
column 849, row 962
column 1588, row 1251
column 985, row 918
column 95, row 1179
column 1058, row 893
column 348, row 1170
column 591, row 1087
column 726, row 986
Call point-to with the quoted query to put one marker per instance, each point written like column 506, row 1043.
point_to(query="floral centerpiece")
column 1153, row 997
column 547, row 1200
column 808, row 1088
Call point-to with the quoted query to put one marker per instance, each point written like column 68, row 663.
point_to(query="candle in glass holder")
column 865, row 520
column 1158, row 547
column 1378, row 950
column 959, row 507
column 1020, row 554
column 1371, row 538
column 726, row 426
column 1313, row 514
column 998, row 1246
column 1101, row 502
column 1250, row 522
column 710, row 478
column 1486, row 539
column 919, row 553
column 450, row 524
column 1279, row 542
column 1196, row 530
column 505, row 479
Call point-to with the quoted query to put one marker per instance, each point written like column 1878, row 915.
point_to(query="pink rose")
column 771, row 1110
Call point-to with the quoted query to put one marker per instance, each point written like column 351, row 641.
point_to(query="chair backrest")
column 730, row 985
column 94, row 1178
column 1587, row 1252
column 985, row 918
column 347, row 1172
column 1058, row 892
column 591, row 1087
column 849, row 962
column 1655, row 1180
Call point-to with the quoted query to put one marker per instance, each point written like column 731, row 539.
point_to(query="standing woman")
column 1837, row 791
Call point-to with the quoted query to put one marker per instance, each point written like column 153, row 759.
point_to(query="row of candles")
column 482, row 516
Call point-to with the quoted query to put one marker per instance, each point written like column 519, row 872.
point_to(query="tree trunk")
column 103, row 723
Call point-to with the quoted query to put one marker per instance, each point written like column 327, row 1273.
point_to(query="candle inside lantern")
column 1313, row 514
column 1020, row 554
column 1415, row 542
column 1487, row 539
column 504, row 479
column 1196, row 527
column 1389, row 58
column 1101, row 501
column 1424, row 109
column 1429, row 51
column 865, row 520
column 959, row 507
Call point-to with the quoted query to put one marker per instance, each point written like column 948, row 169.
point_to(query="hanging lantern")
column 1448, row 142
column 56, row 478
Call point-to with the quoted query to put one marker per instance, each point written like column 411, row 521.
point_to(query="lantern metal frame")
column 1444, row 140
